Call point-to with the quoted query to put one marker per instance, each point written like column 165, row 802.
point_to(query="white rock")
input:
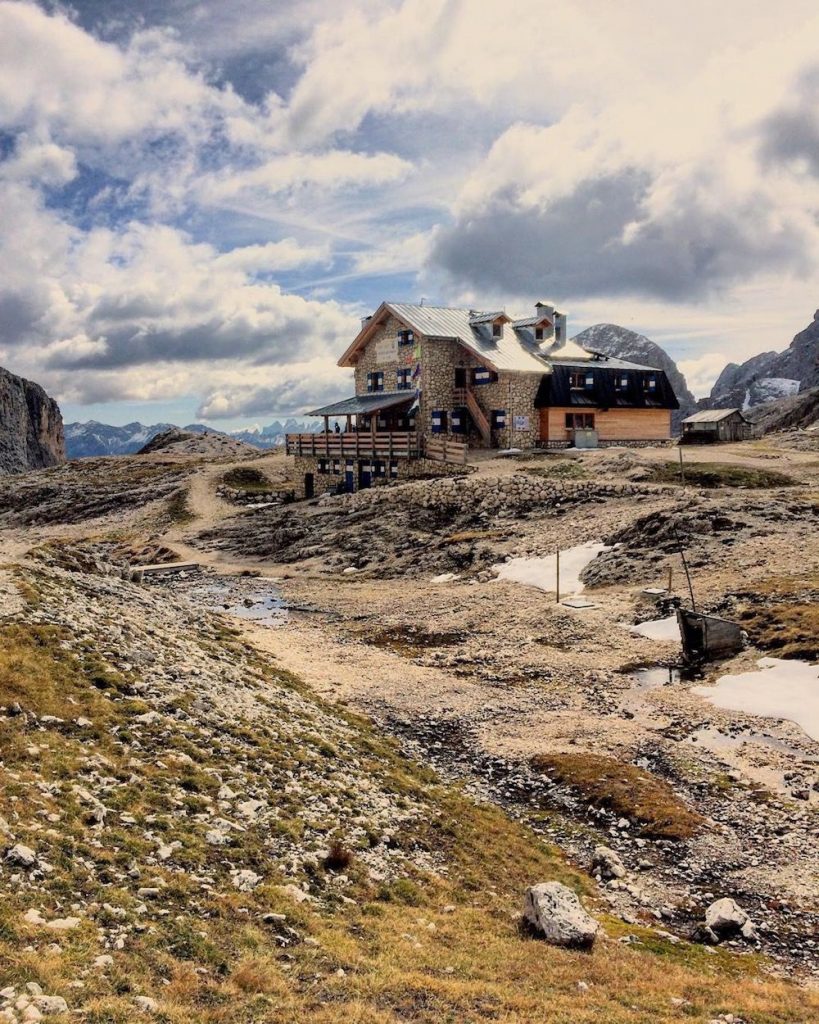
column 555, row 912
column 63, row 924
column 106, row 960
column 246, row 880
column 725, row 918
column 146, row 1004
column 608, row 863
column 50, row 1004
column 22, row 856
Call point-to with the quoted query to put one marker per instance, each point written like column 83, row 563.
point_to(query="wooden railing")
column 443, row 450
column 466, row 397
column 389, row 445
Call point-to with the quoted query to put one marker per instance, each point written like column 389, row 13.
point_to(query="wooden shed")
column 716, row 425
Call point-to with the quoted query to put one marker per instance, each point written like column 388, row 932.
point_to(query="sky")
column 199, row 200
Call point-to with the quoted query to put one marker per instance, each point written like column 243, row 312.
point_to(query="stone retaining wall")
column 518, row 492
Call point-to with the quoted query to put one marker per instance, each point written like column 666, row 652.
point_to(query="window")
column 336, row 467
column 497, row 329
column 580, row 421
column 405, row 337
column 581, row 380
column 438, row 421
column 394, row 470
column 498, row 419
column 457, row 421
column 621, row 382
column 480, row 375
column 380, row 469
column 375, row 381
column 650, row 383
column 538, row 334
column 403, row 379
column 323, row 466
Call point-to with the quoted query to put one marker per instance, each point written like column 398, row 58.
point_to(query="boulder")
column 555, row 913
column 725, row 919
column 22, row 856
column 607, row 863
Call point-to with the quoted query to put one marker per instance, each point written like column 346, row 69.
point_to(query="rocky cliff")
column 31, row 427
column 769, row 376
column 613, row 340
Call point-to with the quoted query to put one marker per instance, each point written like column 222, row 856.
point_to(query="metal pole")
column 685, row 567
column 670, row 577
column 557, row 575
column 682, row 468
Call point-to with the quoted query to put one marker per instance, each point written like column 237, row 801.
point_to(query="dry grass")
column 782, row 616
column 466, row 536
column 719, row 474
column 428, row 948
column 625, row 790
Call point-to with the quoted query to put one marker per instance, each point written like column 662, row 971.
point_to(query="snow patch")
column 542, row 572
column 782, row 689
column 658, row 629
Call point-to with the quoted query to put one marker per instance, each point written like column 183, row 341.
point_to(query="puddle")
column 265, row 606
column 659, row 629
column 781, row 688
column 747, row 750
column 542, row 572
column 651, row 678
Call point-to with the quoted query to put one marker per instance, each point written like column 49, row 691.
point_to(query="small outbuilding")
column 715, row 425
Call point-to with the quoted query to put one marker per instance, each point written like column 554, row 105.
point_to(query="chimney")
column 365, row 320
column 544, row 309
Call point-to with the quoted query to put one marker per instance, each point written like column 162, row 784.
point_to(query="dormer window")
column 581, row 380
column 538, row 334
column 650, row 383
column 406, row 337
column 497, row 329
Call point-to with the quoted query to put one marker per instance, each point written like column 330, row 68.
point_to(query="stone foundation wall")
column 408, row 469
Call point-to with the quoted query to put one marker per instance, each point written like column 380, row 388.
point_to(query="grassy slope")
column 426, row 947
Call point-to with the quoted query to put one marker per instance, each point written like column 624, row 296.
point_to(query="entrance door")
column 365, row 475
column 544, row 424
column 309, row 485
column 349, row 476
column 460, row 377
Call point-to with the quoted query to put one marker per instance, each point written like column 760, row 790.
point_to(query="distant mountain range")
column 613, row 340
column 86, row 440
column 769, row 376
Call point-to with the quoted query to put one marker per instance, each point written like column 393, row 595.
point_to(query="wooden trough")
column 707, row 637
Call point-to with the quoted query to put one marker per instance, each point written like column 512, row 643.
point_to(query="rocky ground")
column 197, row 826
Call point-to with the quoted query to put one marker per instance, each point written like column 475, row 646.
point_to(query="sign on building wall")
column 386, row 350
column 521, row 423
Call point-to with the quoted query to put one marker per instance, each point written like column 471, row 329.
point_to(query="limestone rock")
column 22, row 856
column 555, row 912
column 725, row 918
column 31, row 427
column 607, row 863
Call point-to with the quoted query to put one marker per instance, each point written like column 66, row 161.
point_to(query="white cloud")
column 700, row 373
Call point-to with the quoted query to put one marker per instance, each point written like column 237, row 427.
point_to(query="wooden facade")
column 609, row 424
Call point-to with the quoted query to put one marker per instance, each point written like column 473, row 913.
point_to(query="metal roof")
column 509, row 352
column 711, row 415
column 362, row 404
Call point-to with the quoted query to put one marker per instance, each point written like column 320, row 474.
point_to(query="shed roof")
column 712, row 415
column 363, row 404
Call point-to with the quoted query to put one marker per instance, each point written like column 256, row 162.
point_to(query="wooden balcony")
column 385, row 445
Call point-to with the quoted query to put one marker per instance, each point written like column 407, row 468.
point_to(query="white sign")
column 521, row 423
column 386, row 350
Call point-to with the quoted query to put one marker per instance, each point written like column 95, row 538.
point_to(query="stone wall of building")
column 383, row 352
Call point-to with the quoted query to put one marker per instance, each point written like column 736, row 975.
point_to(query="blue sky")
column 198, row 200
